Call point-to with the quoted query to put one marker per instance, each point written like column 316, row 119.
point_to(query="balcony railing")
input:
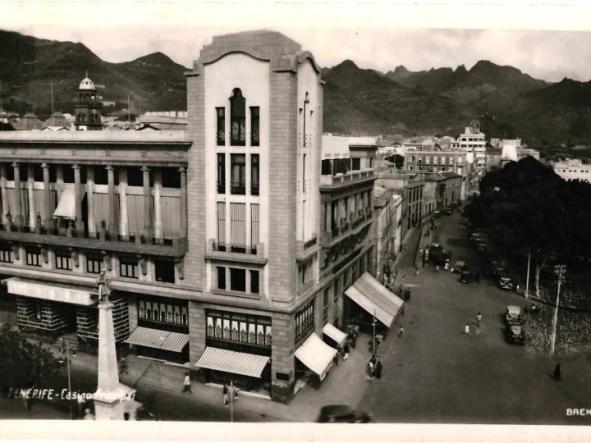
column 236, row 248
column 349, row 177
column 171, row 247
column 235, row 252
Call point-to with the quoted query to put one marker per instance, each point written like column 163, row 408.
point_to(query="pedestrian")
column 187, row 383
column 401, row 331
column 467, row 329
column 371, row 368
column 557, row 374
column 88, row 415
column 335, row 359
column 225, row 394
column 123, row 369
column 378, row 369
column 478, row 319
column 417, row 271
column 407, row 294
column 346, row 351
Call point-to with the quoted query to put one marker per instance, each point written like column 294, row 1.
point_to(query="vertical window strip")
column 238, row 232
column 221, row 225
column 254, row 224
column 221, row 126
column 254, row 126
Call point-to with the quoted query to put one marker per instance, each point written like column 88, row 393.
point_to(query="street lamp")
column 65, row 349
column 559, row 270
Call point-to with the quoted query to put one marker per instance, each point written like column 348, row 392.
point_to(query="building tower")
column 88, row 109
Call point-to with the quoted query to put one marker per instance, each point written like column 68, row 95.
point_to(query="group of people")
column 374, row 367
column 478, row 321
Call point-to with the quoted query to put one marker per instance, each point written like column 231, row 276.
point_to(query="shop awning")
column 333, row 332
column 66, row 207
column 76, row 295
column 316, row 355
column 372, row 296
column 240, row 363
column 158, row 339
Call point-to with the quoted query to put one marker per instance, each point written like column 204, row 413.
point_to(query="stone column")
column 322, row 218
column 123, row 220
column 112, row 229
column 18, row 216
column 47, row 215
column 4, row 195
column 183, row 172
column 147, row 216
column 31, row 196
column 90, row 201
column 157, row 208
column 79, row 225
column 59, row 180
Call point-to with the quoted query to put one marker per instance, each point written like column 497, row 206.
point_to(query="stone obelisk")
column 111, row 399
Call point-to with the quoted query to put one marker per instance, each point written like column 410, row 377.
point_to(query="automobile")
column 513, row 314
column 446, row 211
column 514, row 333
column 466, row 276
column 438, row 255
column 342, row 414
column 459, row 266
column 505, row 282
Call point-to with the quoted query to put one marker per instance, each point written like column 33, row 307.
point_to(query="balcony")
column 346, row 228
column 176, row 247
column 254, row 254
column 328, row 182
column 305, row 249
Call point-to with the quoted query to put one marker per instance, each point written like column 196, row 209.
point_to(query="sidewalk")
column 344, row 384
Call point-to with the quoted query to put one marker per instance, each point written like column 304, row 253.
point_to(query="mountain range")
column 357, row 101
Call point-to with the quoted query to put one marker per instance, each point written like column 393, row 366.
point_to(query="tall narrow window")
column 254, row 126
column 238, row 173
column 237, row 118
column 221, row 173
column 254, row 174
column 254, row 282
column 304, row 173
column 221, row 226
column 306, row 103
column 254, row 228
column 238, row 225
column 221, row 126
column 221, row 271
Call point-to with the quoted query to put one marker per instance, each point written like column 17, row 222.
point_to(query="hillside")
column 28, row 66
column 357, row 101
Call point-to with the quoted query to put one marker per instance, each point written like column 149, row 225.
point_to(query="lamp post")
column 559, row 270
column 64, row 347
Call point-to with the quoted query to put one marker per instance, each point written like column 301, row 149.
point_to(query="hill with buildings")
column 357, row 101
column 33, row 70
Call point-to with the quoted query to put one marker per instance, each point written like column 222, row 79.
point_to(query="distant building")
column 387, row 229
column 493, row 157
column 441, row 190
column 573, row 169
column 473, row 142
column 28, row 122
column 88, row 109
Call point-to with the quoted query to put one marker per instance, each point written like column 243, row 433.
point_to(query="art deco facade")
column 231, row 250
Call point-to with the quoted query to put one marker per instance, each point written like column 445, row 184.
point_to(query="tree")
column 23, row 364
column 397, row 159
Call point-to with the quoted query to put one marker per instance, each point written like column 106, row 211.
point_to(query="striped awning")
column 158, row 339
column 240, row 363
column 378, row 301
column 334, row 333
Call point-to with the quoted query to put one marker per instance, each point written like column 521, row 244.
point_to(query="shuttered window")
column 221, row 226
column 254, row 225
column 238, row 225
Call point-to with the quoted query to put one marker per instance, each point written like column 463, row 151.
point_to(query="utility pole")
column 527, row 277
column 559, row 270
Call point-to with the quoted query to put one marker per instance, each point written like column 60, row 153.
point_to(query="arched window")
column 237, row 118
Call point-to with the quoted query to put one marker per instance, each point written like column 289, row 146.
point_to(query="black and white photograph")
column 228, row 214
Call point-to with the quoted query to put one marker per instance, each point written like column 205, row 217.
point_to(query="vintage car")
column 505, row 282
column 466, row 276
column 513, row 314
column 514, row 333
column 342, row 414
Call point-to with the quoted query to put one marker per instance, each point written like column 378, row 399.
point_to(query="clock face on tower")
column 475, row 126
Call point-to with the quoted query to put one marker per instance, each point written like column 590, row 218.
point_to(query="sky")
column 547, row 42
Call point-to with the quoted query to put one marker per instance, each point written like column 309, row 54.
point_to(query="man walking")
column 378, row 369
column 225, row 394
column 346, row 351
column 478, row 319
column 467, row 329
column 187, row 383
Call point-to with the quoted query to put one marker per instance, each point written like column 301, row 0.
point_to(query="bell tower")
column 88, row 109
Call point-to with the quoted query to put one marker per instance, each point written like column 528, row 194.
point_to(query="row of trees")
column 527, row 208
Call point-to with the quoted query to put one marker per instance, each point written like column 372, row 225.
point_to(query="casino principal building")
column 235, row 248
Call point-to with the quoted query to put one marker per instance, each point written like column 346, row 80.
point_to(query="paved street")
column 434, row 373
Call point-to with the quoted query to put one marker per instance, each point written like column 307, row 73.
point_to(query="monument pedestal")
column 114, row 404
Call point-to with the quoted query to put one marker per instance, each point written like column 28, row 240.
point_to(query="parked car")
column 466, row 276
column 505, row 282
column 513, row 314
column 438, row 255
column 342, row 414
column 446, row 211
column 514, row 333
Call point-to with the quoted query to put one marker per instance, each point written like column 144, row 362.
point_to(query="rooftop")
column 93, row 136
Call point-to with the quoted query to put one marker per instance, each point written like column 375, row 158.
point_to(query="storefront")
column 163, row 329
column 238, row 349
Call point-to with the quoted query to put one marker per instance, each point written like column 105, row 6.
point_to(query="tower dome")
column 86, row 84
